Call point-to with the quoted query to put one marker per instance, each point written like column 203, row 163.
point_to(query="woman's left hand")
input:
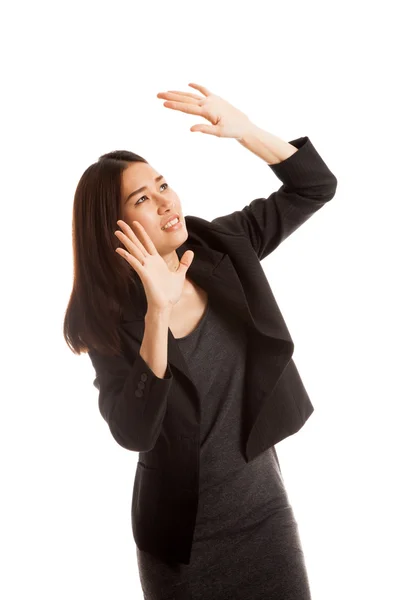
column 226, row 120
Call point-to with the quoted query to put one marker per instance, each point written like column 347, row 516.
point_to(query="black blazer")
column 159, row 417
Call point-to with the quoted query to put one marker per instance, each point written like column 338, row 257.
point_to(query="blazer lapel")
column 215, row 272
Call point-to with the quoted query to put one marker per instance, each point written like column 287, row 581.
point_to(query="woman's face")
column 152, row 206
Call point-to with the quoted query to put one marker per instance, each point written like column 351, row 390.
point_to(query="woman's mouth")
column 172, row 225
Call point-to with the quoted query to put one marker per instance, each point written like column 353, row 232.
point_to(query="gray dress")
column 246, row 542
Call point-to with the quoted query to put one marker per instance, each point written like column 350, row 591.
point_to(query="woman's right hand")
column 163, row 287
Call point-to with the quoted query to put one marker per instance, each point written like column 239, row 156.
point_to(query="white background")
column 81, row 79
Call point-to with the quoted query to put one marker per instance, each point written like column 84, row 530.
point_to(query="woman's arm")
column 267, row 146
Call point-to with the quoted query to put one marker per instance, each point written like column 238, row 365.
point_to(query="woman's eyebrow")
column 144, row 187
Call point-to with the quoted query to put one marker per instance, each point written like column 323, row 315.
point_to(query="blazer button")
column 138, row 393
column 141, row 385
column 143, row 376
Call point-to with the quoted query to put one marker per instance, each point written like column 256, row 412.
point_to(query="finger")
column 179, row 97
column 201, row 89
column 147, row 247
column 131, row 234
column 210, row 129
column 191, row 109
column 128, row 235
column 134, row 262
column 131, row 247
column 195, row 96
column 150, row 247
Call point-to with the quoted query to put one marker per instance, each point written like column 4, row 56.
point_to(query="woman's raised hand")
column 226, row 120
column 163, row 287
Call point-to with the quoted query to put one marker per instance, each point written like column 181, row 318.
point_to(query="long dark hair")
column 102, row 280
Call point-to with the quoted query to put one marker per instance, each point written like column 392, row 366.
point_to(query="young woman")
column 193, row 361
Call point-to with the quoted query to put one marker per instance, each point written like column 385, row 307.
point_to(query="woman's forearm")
column 267, row 146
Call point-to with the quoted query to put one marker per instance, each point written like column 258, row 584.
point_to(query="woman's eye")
column 146, row 196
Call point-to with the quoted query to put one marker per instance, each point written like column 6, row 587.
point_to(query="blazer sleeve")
column 307, row 185
column 132, row 399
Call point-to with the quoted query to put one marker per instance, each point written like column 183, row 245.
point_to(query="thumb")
column 185, row 261
column 211, row 129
